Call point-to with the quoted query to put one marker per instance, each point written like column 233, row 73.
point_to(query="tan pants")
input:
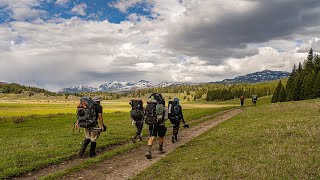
column 90, row 134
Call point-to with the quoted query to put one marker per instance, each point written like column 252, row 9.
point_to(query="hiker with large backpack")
column 241, row 101
column 155, row 116
column 254, row 99
column 137, row 113
column 89, row 115
column 176, row 117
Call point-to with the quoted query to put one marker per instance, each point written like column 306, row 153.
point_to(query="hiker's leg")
column 162, row 132
column 94, row 137
column 153, row 134
column 84, row 147
column 139, row 128
column 177, row 130
column 86, row 141
column 133, row 138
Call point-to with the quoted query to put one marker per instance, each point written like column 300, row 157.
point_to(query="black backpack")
column 151, row 114
column 136, row 109
column 158, row 97
column 174, row 113
column 86, row 113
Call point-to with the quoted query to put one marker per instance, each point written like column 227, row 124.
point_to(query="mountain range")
column 262, row 76
column 116, row 86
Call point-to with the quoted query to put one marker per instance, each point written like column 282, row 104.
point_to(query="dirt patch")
column 129, row 164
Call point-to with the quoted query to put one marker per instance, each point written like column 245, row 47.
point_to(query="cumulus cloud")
column 123, row 5
column 209, row 29
column 80, row 9
column 62, row 2
column 187, row 40
column 23, row 10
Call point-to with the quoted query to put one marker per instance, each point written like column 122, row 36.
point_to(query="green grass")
column 43, row 135
column 25, row 108
column 275, row 141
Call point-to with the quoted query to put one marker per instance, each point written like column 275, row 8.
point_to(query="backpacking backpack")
column 158, row 97
column 150, row 113
column 86, row 113
column 174, row 112
column 136, row 109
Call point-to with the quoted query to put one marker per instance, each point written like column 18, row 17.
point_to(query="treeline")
column 208, row 92
column 303, row 82
column 18, row 89
column 246, row 90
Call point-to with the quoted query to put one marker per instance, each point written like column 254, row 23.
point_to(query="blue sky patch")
column 98, row 10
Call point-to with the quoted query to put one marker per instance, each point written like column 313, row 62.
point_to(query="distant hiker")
column 176, row 116
column 155, row 115
column 90, row 118
column 242, row 100
column 254, row 99
column 137, row 113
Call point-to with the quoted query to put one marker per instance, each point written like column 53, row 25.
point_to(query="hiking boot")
column 148, row 155
column 84, row 147
column 140, row 138
column 133, row 139
column 93, row 149
column 161, row 151
column 173, row 140
column 176, row 137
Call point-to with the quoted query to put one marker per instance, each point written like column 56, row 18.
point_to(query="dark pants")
column 242, row 103
column 176, row 127
column 139, row 125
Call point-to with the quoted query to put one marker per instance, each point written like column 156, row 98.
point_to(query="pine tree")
column 310, row 54
column 316, row 87
column 276, row 93
column 282, row 95
column 297, row 92
column 290, row 83
column 307, row 85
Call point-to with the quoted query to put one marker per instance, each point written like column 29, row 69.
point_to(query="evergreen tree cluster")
column 303, row 82
column 18, row 89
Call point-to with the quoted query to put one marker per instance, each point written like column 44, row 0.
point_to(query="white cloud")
column 123, row 5
column 23, row 10
column 62, row 2
column 80, row 9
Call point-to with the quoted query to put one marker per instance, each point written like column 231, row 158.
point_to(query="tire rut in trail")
column 73, row 161
column 129, row 164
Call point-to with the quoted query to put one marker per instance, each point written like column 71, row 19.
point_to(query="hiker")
column 90, row 118
column 242, row 100
column 137, row 113
column 155, row 115
column 254, row 99
column 176, row 116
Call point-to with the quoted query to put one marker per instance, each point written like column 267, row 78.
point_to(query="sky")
column 58, row 43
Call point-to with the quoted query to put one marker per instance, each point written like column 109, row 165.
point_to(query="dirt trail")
column 129, row 164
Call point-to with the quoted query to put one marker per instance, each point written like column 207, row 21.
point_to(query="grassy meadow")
column 36, row 133
column 269, row 141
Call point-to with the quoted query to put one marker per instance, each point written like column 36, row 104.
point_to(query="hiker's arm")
column 182, row 119
column 100, row 118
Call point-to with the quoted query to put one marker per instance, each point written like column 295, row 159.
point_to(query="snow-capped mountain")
column 78, row 89
column 263, row 76
column 115, row 86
